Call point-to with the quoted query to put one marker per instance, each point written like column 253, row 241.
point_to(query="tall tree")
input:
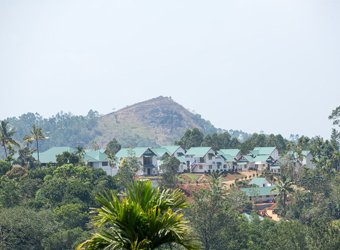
column 127, row 170
column 80, row 152
column 146, row 219
column 36, row 135
column 111, row 150
column 169, row 171
column 6, row 136
column 191, row 138
column 284, row 187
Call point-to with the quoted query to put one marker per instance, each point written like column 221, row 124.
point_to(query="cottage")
column 231, row 156
column 204, row 159
column 263, row 157
column 98, row 159
column 261, row 194
column 260, row 182
column 147, row 159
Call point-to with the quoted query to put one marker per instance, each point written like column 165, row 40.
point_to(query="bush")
column 4, row 167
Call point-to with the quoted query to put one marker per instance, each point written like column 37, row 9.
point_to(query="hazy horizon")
column 269, row 65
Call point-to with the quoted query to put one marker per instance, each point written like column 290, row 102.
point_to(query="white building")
column 204, row 160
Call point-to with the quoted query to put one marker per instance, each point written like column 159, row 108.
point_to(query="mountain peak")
column 155, row 121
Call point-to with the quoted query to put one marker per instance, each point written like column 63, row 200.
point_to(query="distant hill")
column 156, row 121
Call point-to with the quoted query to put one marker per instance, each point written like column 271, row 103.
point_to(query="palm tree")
column 36, row 135
column 6, row 134
column 284, row 187
column 80, row 152
column 146, row 218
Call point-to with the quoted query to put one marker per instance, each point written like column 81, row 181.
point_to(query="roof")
column 259, row 181
column 50, row 155
column 138, row 152
column 198, row 151
column 160, row 152
column 259, row 191
column 95, row 156
column 228, row 158
column 261, row 158
column 251, row 217
column 249, row 158
column 263, row 150
column 305, row 152
column 171, row 149
column 181, row 159
column 231, row 151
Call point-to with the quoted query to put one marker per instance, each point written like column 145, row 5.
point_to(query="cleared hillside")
column 156, row 121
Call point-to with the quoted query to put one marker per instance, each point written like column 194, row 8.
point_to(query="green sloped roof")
column 138, row 152
column 259, row 191
column 261, row 158
column 95, row 155
column 249, row 158
column 231, row 151
column 50, row 155
column 258, row 181
column 198, row 151
column 171, row 149
column 160, row 152
column 227, row 157
column 263, row 150
column 181, row 159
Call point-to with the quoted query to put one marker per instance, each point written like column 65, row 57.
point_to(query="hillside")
column 156, row 121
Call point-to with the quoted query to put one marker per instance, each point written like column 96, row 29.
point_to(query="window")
column 200, row 167
column 105, row 163
column 210, row 156
column 201, row 160
column 210, row 166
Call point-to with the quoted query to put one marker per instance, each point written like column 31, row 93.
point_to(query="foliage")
column 4, row 167
column 127, row 170
column 112, row 147
column 262, row 140
column 212, row 217
column 36, row 134
column 23, row 228
column 6, row 137
column 146, row 219
column 25, row 157
column 169, row 170
column 67, row 158
column 191, row 138
column 62, row 128
column 219, row 141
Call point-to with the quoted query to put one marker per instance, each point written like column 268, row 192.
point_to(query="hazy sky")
column 270, row 65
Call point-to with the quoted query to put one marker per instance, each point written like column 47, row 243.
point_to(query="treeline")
column 195, row 138
column 62, row 129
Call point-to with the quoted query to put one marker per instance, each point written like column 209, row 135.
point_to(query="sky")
column 264, row 65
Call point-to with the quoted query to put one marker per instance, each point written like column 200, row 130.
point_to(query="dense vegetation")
column 48, row 207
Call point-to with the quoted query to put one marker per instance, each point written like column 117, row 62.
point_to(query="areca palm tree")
column 146, row 218
column 284, row 187
column 6, row 136
column 36, row 135
column 80, row 152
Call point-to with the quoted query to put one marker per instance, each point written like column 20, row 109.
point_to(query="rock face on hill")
column 158, row 121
